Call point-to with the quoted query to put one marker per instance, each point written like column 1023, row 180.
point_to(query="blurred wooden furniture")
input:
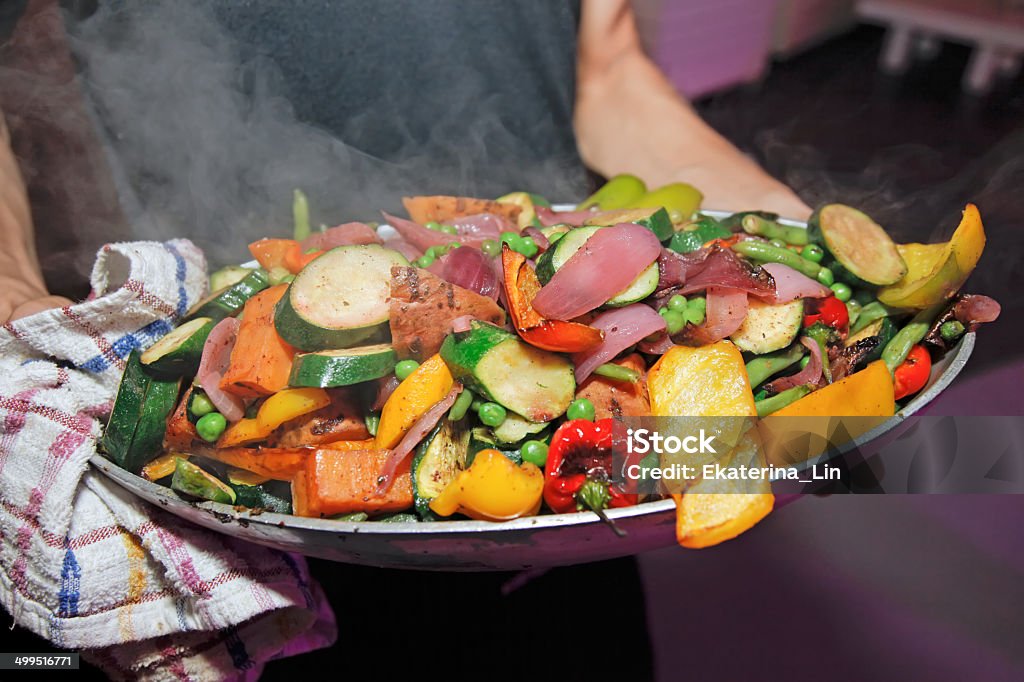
column 993, row 28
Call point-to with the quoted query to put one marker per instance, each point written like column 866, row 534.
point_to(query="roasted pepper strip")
column 521, row 285
column 276, row 410
column 578, row 469
column 418, row 392
column 493, row 488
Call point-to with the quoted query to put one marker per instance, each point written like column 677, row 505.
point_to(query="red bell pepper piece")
column 911, row 376
column 578, row 469
column 295, row 259
column 830, row 311
column 521, row 285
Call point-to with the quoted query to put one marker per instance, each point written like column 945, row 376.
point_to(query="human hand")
column 19, row 299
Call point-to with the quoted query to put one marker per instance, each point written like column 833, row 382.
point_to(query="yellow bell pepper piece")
column 936, row 271
column 276, row 410
column 290, row 403
column 493, row 488
column 679, row 199
column 833, row 415
column 427, row 385
column 710, row 381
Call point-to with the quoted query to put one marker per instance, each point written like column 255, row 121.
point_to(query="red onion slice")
column 538, row 237
column 622, row 328
column 810, row 374
column 385, row 387
column 791, row 285
column 659, row 346
column 403, row 247
column 726, row 310
column 605, row 265
column 413, row 436
column 462, row 324
column 417, row 235
column 549, row 217
column 348, row 234
column 214, row 364
column 972, row 310
column 483, row 225
column 470, row 269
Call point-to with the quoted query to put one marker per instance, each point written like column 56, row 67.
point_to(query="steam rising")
column 205, row 145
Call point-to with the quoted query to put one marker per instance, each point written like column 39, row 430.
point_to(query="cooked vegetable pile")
column 473, row 365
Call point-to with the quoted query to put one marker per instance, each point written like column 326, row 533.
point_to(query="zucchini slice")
column 532, row 382
column 225, row 277
column 858, row 243
column 438, row 461
column 556, row 256
column 654, row 219
column 769, row 327
column 228, row 301
column 515, row 429
column 339, row 299
column 482, row 438
column 343, row 367
column 191, row 480
column 270, row 496
column 138, row 420
column 179, row 353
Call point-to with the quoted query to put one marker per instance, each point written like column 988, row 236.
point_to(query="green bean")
column 764, row 366
column 615, row 372
column 951, row 330
column 899, row 346
column 300, row 215
column 766, row 253
column 869, row 313
column 461, row 405
column 769, row 229
column 777, row 402
column 372, row 421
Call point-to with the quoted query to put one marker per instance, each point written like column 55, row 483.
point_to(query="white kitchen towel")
column 84, row 563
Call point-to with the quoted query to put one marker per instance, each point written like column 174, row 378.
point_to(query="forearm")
column 630, row 119
column 20, row 276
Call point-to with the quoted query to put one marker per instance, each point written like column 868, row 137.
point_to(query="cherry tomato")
column 912, row 375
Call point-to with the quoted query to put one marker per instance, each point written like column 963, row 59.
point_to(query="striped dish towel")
column 85, row 564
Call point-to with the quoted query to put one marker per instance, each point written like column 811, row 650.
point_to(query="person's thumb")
column 37, row 305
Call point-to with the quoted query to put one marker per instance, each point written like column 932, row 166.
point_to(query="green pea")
column 452, row 246
column 826, row 277
column 841, row 291
column 461, row 405
column 581, row 408
column 432, row 225
column 372, row 421
column 698, row 303
column 813, row 253
column 509, row 238
column 404, row 368
column 528, row 247
column 425, row 261
column 677, row 303
column 534, row 452
column 663, row 311
column 492, row 414
column 200, row 405
column 434, row 252
column 779, row 243
column 210, row 426
column 490, row 247
column 952, row 330
column 696, row 310
column 476, row 404
column 804, row 361
column 674, row 321
column 449, row 229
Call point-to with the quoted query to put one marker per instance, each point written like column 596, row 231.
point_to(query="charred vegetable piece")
column 191, row 480
column 273, row 497
column 521, row 285
column 138, row 420
column 769, row 327
column 438, row 461
column 338, row 300
column 578, row 469
column 498, row 366
column 858, row 243
column 937, row 271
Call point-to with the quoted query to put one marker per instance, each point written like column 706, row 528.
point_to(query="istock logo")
column 643, row 441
